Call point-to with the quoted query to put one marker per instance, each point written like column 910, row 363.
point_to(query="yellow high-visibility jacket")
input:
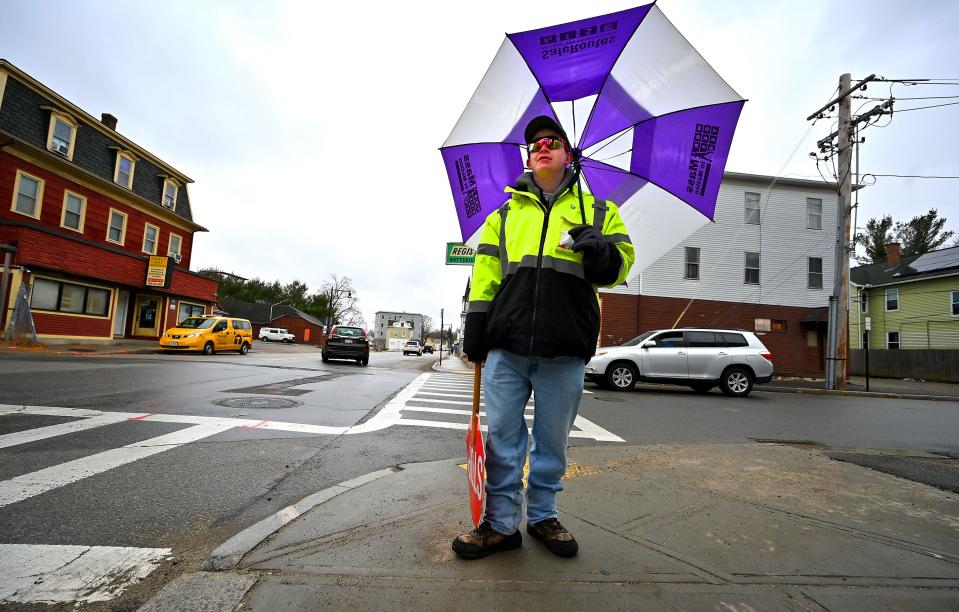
column 529, row 294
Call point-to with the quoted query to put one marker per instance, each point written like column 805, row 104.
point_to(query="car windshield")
column 196, row 323
column 638, row 339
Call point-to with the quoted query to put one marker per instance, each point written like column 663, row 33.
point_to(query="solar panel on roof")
column 936, row 260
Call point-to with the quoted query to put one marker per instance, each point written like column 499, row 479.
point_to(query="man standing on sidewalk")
column 534, row 319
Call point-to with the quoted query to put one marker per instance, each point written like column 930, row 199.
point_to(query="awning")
column 816, row 315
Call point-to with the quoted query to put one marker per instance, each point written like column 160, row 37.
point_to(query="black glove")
column 594, row 246
column 474, row 344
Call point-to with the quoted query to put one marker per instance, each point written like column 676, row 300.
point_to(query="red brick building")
column 99, row 230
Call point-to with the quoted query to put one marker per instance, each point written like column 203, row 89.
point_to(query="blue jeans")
column 508, row 380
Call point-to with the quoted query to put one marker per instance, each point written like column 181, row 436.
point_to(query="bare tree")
column 427, row 327
column 341, row 302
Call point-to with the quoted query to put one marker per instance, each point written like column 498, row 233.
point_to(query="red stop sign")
column 475, row 468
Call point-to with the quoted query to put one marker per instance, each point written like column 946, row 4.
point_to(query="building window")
column 691, row 268
column 752, row 268
column 117, row 231
column 186, row 310
column 150, row 233
column 170, row 189
column 892, row 299
column 813, row 213
column 752, row 208
column 123, row 174
column 892, row 340
column 769, row 325
column 812, row 338
column 69, row 298
column 27, row 195
column 955, row 303
column 61, row 135
column 815, row 272
column 173, row 249
column 864, row 301
column 74, row 207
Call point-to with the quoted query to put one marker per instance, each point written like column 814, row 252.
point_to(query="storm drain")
column 606, row 398
column 255, row 403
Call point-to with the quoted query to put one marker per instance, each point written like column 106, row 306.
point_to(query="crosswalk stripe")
column 40, row 573
column 25, row 486
column 40, row 433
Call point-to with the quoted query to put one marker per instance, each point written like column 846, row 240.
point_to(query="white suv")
column 699, row 358
column 413, row 347
column 277, row 334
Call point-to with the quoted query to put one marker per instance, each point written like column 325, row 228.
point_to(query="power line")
column 921, row 176
column 906, row 110
column 869, row 99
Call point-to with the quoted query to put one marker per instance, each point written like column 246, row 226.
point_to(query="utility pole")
column 839, row 324
column 837, row 341
column 441, row 336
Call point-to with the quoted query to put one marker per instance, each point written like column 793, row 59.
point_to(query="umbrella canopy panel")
column 655, row 123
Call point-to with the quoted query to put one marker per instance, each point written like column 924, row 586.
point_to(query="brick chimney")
column 108, row 120
column 892, row 255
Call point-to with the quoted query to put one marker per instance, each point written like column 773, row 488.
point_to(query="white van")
column 278, row 334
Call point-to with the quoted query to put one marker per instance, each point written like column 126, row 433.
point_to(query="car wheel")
column 264, row 339
column 324, row 358
column 208, row 348
column 621, row 376
column 244, row 349
column 366, row 360
column 736, row 382
column 701, row 387
column 285, row 341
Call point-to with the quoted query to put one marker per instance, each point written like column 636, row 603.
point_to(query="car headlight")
column 601, row 353
column 193, row 335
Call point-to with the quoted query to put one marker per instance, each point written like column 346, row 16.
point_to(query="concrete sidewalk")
column 677, row 527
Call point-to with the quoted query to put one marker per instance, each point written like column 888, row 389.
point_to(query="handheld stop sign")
column 476, row 454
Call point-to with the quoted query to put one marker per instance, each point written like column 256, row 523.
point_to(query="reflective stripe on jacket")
column 530, row 295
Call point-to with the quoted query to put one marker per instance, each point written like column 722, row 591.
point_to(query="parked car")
column 208, row 334
column 733, row 359
column 428, row 348
column 413, row 347
column 276, row 334
column 346, row 342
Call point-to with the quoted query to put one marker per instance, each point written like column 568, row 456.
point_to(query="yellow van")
column 209, row 334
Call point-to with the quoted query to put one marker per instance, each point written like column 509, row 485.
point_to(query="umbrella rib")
column 605, row 159
column 643, row 178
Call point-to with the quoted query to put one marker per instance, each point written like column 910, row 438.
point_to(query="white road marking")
column 26, row 486
column 37, row 573
column 392, row 413
column 40, row 433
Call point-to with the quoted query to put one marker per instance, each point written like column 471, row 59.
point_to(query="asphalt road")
column 192, row 495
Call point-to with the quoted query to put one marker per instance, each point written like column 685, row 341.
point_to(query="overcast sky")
column 312, row 129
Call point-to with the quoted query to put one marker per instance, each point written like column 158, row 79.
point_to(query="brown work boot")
column 557, row 539
column 483, row 541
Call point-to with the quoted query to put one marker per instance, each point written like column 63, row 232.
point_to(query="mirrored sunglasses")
column 549, row 142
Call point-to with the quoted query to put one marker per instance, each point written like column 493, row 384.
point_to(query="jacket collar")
column 525, row 185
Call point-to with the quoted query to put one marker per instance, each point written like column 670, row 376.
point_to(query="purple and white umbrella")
column 654, row 123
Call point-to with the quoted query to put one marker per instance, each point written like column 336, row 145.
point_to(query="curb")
column 875, row 394
column 438, row 368
column 228, row 555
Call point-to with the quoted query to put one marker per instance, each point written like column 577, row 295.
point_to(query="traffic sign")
column 868, row 323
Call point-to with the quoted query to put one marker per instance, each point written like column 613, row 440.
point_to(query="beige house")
column 397, row 335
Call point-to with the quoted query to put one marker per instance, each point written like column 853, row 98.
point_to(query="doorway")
column 146, row 316
column 120, row 316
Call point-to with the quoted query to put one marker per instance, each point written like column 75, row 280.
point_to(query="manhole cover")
column 606, row 398
column 257, row 402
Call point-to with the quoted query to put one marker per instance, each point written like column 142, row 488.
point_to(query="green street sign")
column 458, row 254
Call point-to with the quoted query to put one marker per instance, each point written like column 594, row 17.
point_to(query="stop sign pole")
column 475, row 454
